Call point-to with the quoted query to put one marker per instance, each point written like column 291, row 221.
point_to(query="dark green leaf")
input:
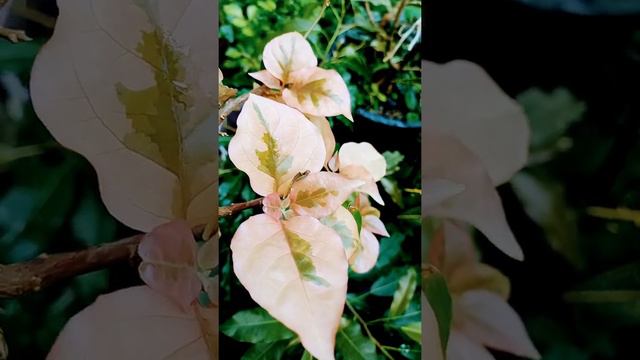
column 352, row 344
column 255, row 326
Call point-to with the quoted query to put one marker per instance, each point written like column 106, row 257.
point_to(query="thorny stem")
column 366, row 329
column 45, row 270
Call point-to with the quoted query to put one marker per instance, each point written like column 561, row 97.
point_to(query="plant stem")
column 325, row 4
column 45, row 270
column 337, row 32
column 366, row 329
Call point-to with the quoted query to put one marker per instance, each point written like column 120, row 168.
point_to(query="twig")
column 45, row 270
column 366, row 329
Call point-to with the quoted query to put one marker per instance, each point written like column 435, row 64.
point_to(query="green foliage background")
column 386, row 98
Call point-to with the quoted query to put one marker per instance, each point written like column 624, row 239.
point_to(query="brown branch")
column 235, row 104
column 45, row 270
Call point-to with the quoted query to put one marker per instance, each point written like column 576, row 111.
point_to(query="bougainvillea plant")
column 294, row 258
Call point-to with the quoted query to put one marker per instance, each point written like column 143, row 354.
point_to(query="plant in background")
column 294, row 258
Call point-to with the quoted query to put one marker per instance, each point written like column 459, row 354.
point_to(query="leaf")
column 286, row 54
column 133, row 323
column 390, row 186
column 365, row 257
column 365, row 155
column 306, row 356
column 352, row 344
column 461, row 100
column 404, row 293
column 479, row 204
column 321, row 194
column 439, row 303
column 413, row 331
column 344, row 224
column 327, row 135
column 488, row 319
column 168, row 265
column 4, row 350
column 387, row 284
column 297, row 271
column 255, row 326
column 266, row 351
column 273, row 143
column 550, row 114
column 114, row 84
column 319, row 92
column 393, row 160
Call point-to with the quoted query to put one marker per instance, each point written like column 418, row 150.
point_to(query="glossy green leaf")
column 414, row 331
column 266, row 351
column 352, row 344
column 255, row 326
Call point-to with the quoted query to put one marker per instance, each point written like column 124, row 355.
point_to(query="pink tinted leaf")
column 319, row 92
column 168, row 265
column 320, row 194
column 444, row 157
column 373, row 224
column 463, row 101
column 357, row 172
column 208, row 254
column 344, row 224
column 297, row 271
column 267, row 79
column 133, row 323
column 460, row 347
column 288, row 53
column 273, row 143
column 366, row 256
column 488, row 319
column 327, row 135
column 365, row 155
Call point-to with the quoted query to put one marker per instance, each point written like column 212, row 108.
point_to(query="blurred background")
column 49, row 200
column 574, row 65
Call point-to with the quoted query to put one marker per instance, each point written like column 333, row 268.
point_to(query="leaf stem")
column 366, row 329
column 325, row 4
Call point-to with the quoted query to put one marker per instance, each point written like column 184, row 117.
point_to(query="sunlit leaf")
column 116, row 85
column 319, row 92
column 286, row 54
column 320, row 194
column 273, row 143
column 344, row 224
column 297, row 271
column 414, row 331
column 327, row 134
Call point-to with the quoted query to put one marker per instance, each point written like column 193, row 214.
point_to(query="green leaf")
column 393, row 159
column 413, row 331
column 358, row 217
column 266, row 351
column 255, row 326
column 306, row 356
column 387, row 284
column 391, row 187
column 404, row 293
column 352, row 344
column 436, row 291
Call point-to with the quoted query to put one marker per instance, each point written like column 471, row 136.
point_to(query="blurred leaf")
column 390, row 247
column 434, row 287
column 404, row 292
column 550, row 115
column 352, row 344
column 413, row 331
column 393, row 159
column 306, row 356
column 391, row 188
column 544, row 201
column 255, row 326
column 91, row 222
